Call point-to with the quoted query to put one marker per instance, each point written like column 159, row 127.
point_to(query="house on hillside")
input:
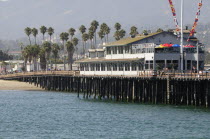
column 154, row 51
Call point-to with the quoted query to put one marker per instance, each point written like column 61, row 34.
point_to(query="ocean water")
column 54, row 115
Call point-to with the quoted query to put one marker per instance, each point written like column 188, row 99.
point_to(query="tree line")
column 48, row 50
column 4, row 56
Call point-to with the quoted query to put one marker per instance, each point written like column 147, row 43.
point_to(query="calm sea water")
column 51, row 115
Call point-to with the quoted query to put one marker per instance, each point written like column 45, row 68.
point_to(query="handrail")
column 175, row 73
column 40, row 73
column 141, row 73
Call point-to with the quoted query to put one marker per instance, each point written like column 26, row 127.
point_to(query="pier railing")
column 175, row 73
column 142, row 73
column 72, row 73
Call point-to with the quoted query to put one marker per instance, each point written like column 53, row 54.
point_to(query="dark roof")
column 130, row 40
column 139, row 37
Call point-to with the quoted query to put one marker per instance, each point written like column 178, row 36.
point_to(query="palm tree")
column 27, row 54
column 122, row 33
column 35, row 33
column 42, row 56
column 134, row 31
column 107, row 31
column 47, row 47
column 101, row 35
column 55, row 51
column 43, row 30
column 102, row 30
column 4, row 65
column 21, row 45
column 64, row 36
column 50, row 31
column 117, row 26
column 35, row 52
column 85, row 37
column 145, row 32
column 117, row 35
column 72, row 32
column 160, row 30
column 82, row 29
column 28, row 33
column 91, row 36
column 95, row 25
column 70, row 50
column 75, row 43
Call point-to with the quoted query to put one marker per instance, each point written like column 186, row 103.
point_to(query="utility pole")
column 181, row 41
column 198, row 57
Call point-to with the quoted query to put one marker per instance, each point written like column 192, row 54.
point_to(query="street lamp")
column 181, row 41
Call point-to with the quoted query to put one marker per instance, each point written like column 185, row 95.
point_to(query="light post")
column 198, row 58
column 181, row 41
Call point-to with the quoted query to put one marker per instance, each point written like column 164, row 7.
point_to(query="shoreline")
column 16, row 85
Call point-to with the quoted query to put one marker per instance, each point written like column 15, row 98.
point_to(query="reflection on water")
column 61, row 115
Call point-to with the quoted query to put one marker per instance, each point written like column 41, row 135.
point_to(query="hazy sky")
column 15, row 15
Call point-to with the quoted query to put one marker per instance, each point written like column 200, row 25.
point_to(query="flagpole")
column 181, row 41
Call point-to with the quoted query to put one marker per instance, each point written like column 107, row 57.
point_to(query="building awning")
column 100, row 60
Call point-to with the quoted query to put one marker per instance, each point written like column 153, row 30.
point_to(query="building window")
column 189, row 65
column 108, row 50
column 114, row 50
column 97, row 67
column 146, row 65
column 82, row 67
column 121, row 66
column 109, row 67
column 140, row 66
column 86, row 67
column 103, row 67
column 92, row 67
column 114, row 65
column 127, row 50
column 134, row 66
column 151, row 64
column 160, row 64
column 120, row 48
column 127, row 66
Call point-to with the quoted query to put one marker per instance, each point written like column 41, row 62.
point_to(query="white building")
column 132, row 56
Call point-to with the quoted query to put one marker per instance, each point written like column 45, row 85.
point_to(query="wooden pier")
column 191, row 91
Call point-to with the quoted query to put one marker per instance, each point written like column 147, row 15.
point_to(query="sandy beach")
column 15, row 85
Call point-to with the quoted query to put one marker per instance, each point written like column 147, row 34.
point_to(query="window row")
column 112, row 67
column 118, row 50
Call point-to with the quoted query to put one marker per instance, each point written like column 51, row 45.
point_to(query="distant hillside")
column 15, row 15
column 203, row 34
column 8, row 45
